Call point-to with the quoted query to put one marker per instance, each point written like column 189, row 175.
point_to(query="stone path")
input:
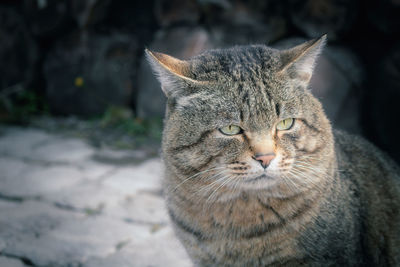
column 65, row 203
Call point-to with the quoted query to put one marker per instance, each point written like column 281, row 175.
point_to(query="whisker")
column 304, row 179
column 236, row 186
column 308, row 168
column 197, row 174
column 290, row 184
column 227, row 180
column 211, row 185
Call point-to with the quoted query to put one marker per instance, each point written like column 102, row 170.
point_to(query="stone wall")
column 83, row 56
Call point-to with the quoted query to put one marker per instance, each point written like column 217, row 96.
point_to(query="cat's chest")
column 251, row 217
column 244, row 214
column 243, row 229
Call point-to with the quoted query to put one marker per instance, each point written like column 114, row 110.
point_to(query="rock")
column 16, row 141
column 336, row 82
column 133, row 180
column 87, row 197
column 225, row 36
column 85, row 74
column 51, row 19
column 89, row 12
column 243, row 23
column 144, row 207
column 24, row 228
column 34, row 181
column 131, row 16
column 147, row 252
column 181, row 42
column 47, row 18
column 42, row 147
column 78, row 211
column 384, row 15
column 49, row 236
column 50, row 150
column 172, row 12
column 317, row 17
column 381, row 104
column 11, row 262
column 18, row 52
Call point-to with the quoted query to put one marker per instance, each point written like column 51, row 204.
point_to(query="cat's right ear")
column 173, row 73
column 299, row 61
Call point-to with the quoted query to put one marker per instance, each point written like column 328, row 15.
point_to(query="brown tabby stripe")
column 245, row 98
column 310, row 126
column 314, row 151
column 185, row 227
column 179, row 195
column 190, row 169
column 207, row 162
column 239, row 168
column 280, row 252
column 277, row 109
column 240, row 88
column 241, row 115
column 267, row 228
column 266, row 206
column 302, row 150
column 260, row 230
column 239, row 162
column 303, row 210
column 288, row 262
column 268, row 95
column 246, row 139
column 203, row 136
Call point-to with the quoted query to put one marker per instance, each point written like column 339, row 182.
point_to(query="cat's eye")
column 285, row 124
column 230, row 130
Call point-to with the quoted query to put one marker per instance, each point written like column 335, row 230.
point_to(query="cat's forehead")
column 250, row 104
column 241, row 86
column 238, row 63
column 241, row 72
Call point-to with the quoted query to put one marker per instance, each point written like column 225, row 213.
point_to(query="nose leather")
column 264, row 159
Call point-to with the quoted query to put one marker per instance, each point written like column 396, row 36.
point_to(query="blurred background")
column 81, row 112
column 83, row 59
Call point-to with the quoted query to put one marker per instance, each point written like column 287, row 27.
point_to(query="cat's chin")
column 260, row 181
column 268, row 186
column 263, row 176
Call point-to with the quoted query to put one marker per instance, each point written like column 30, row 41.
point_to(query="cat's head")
column 243, row 118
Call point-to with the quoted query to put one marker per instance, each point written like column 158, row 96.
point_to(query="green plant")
column 121, row 119
column 18, row 105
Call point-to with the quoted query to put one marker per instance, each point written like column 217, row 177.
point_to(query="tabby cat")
column 255, row 175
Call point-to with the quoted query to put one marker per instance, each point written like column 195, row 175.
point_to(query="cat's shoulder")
column 356, row 153
column 351, row 143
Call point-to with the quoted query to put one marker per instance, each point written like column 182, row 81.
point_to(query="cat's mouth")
column 260, row 177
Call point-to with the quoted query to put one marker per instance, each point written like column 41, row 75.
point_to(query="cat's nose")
column 264, row 159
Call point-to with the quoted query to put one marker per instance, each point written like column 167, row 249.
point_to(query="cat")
column 254, row 173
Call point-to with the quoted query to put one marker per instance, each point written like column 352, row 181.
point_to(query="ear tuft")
column 300, row 60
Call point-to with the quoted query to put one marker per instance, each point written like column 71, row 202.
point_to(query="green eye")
column 231, row 130
column 285, row 124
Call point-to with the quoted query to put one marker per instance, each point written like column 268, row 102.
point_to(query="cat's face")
column 242, row 119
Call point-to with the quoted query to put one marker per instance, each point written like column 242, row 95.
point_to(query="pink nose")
column 264, row 159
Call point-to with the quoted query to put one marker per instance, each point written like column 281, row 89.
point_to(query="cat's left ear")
column 174, row 74
column 300, row 60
